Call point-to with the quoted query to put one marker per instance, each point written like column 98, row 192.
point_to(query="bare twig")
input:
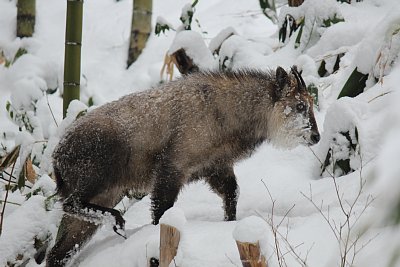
column 343, row 231
column 51, row 111
column 13, row 177
column 231, row 261
column 5, row 199
column 385, row 93
column 323, row 215
column 278, row 235
column 10, row 202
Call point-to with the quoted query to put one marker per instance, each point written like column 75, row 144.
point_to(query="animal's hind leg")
column 72, row 206
column 77, row 226
column 72, row 234
column 165, row 192
column 223, row 182
column 120, row 222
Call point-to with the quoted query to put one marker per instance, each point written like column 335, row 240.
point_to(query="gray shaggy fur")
column 158, row 140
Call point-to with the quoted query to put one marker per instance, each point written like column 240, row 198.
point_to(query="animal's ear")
column 301, row 85
column 281, row 77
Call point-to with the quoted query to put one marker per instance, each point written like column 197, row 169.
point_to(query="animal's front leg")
column 223, row 182
column 167, row 185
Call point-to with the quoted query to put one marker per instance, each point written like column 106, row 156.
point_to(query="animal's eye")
column 300, row 107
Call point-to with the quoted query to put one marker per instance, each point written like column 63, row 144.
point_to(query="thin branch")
column 342, row 231
column 284, row 216
column 380, row 95
column 5, row 200
column 51, row 111
column 233, row 263
column 10, row 202
column 275, row 231
column 12, row 176
column 322, row 214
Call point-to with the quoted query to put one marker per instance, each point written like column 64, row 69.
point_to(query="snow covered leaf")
column 354, row 85
column 288, row 24
column 313, row 90
column 21, row 178
column 187, row 15
column 388, row 53
column 21, row 51
column 330, row 21
column 269, row 9
column 2, row 58
column 162, row 25
column 298, row 38
column 325, row 66
column 8, row 105
column 344, row 147
column 51, row 91
column 217, row 41
column 81, row 114
column 30, row 173
column 313, row 15
column 10, row 158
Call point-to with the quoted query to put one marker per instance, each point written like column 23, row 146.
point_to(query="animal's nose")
column 315, row 137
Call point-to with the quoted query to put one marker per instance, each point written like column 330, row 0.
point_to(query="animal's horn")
column 300, row 81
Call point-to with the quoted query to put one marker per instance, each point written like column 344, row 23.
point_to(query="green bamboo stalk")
column 26, row 12
column 72, row 57
column 140, row 28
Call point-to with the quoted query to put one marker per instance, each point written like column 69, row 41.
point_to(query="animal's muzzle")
column 315, row 137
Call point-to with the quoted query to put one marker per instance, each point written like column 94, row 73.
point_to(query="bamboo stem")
column 26, row 13
column 140, row 28
column 72, row 57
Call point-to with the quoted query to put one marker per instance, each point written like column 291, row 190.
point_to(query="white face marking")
column 287, row 110
column 290, row 127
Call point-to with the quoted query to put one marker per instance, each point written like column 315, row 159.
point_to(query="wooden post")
column 295, row 3
column 169, row 241
column 183, row 62
column 248, row 233
column 250, row 254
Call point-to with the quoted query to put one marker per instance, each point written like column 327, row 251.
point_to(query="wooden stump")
column 295, row 3
column 250, row 254
column 183, row 62
column 169, row 241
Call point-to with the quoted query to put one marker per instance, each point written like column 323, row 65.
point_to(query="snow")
column 160, row 20
column 217, row 41
column 368, row 38
column 369, row 49
column 174, row 217
column 250, row 229
column 18, row 234
column 195, row 48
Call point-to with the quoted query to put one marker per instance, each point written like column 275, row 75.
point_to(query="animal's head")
column 292, row 120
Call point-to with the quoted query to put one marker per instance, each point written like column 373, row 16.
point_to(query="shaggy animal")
column 158, row 140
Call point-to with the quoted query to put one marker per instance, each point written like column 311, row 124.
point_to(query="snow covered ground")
column 284, row 188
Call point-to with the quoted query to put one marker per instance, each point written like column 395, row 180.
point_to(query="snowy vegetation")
column 334, row 204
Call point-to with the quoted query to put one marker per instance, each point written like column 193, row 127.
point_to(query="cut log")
column 183, row 62
column 250, row 254
column 295, row 3
column 169, row 241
